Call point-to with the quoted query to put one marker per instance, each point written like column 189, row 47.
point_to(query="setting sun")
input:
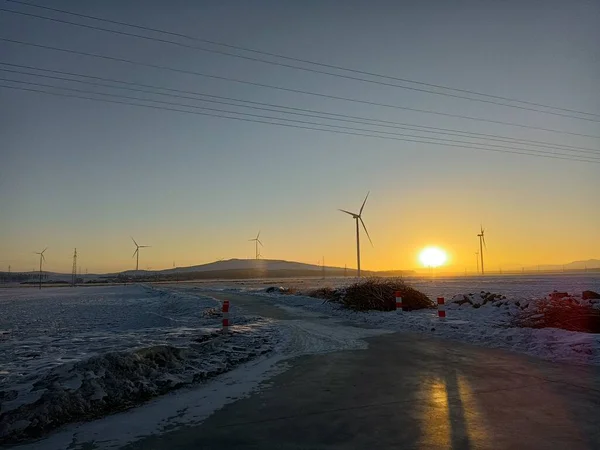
column 432, row 257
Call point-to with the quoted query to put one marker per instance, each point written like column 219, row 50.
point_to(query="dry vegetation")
column 375, row 294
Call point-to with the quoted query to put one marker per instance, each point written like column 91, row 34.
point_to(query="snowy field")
column 68, row 352
column 487, row 325
column 520, row 286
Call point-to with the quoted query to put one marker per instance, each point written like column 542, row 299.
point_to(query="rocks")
column 477, row 300
column 590, row 295
column 277, row 290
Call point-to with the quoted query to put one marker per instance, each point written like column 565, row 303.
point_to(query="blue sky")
column 84, row 174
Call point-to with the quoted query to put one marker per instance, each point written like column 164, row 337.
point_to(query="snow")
column 519, row 286
column 310, row 333
column 104, row 349
column 70, row 353
column 488, row 325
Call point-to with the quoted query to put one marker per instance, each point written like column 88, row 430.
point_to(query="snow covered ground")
column 519, row 286
column 306, row 333
column 486, row 326
column 80, row 353
column 68, row 354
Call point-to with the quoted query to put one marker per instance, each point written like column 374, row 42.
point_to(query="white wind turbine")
column 137, row 253
column 358, row 217
column 42, row 259
column 482, row 244
column 256, row 242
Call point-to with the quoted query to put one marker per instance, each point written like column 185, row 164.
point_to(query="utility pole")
column 345, row 270
column 9, row 273
column 74, row 271
column 323, row 267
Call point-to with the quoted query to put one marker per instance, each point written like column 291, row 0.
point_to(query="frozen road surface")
column 334, row 384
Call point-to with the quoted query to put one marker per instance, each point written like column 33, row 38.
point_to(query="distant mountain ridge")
column 575, row 265
column 240, row 264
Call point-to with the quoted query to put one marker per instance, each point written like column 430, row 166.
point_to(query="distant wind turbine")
column 42, row 258
column 137, row 253
column 481, row 246
column 358, row 217
column 256, row 242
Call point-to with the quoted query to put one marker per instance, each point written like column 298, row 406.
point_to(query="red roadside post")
column 225, row 316
column 441, row 308
column 399, row 306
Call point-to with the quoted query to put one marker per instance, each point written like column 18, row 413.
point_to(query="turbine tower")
column 256, row 242
column 74, row 270
column 137, row 253
column 42, row 258
column 477, row 261
column 358, row 217
column 481, row 245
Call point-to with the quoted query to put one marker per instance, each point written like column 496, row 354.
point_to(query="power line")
column 318, row 114
column 285, row 119
column 166, row 41
column 330, row 130
column 276, row 55
column 297, row 91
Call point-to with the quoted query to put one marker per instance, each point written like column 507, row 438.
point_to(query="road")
column 405, row 391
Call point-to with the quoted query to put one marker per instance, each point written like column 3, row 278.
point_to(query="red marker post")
column 399, row 306
column 225, row 316
column 441, row 308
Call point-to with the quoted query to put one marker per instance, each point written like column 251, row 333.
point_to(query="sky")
column 90, row 174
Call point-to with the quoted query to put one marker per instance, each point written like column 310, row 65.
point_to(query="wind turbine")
column 42, row 258
column 137, row 253
column 481, row 245
column 256, row 242
column 477, row 260
column 358, row 217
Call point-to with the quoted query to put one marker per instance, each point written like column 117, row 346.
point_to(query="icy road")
column 334, row 384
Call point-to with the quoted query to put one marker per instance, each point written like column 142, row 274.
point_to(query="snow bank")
column 153, row 341
column 487, row 325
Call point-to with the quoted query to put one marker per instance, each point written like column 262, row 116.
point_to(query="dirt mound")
column 564, row 313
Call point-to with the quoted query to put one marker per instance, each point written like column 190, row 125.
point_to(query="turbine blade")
column 258, row 235
column 136, row 250
column 43, row 257
column 258, row 240
column 347, row 212
column 145, row 246
column 136, row 244
column 363, row 205
column 365, row 227
column 484, row 244
column 44, row 249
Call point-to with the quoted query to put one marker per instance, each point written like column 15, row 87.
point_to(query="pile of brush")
column 379, row 294
column 563, row 313
column 327, row 294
